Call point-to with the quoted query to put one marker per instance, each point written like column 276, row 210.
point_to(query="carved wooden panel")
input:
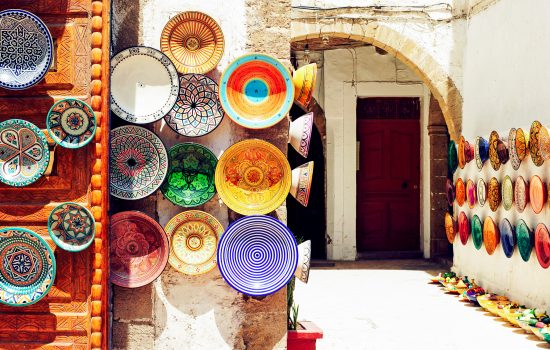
column 73, row 314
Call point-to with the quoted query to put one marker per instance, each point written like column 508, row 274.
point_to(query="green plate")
column 190, row 179
column 477, row 232
column 453, row 157
column 524, row 240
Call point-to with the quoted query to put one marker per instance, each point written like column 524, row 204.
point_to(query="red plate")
column 463, row 228
column 542, row 245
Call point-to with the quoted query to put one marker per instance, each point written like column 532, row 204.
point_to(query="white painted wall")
column 506, row 79
column 373, row 75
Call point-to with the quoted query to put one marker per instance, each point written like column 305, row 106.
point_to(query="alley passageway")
column 387, row 305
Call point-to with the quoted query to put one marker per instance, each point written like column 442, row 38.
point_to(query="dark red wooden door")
column 388, row 179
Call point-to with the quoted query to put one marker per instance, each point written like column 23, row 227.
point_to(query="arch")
column 405, row 49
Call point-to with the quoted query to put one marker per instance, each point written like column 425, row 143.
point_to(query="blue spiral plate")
column 507, row 237
column 257, row 255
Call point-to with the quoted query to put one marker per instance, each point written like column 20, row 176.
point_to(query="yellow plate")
column 253, row 177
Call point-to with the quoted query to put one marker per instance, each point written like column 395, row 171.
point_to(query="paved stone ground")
column 387, row 305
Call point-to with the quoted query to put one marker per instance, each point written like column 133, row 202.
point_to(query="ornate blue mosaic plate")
column 257, row 255
column 71, row 227
column 71, row 123
column 27, row 267
column 26, row 49
column 24, row 154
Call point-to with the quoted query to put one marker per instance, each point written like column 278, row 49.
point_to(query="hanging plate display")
column 481, row 151
column 521, row 194
column 144, row 85
column 193, row 41
column 463, row 228
column 477, row 232
column 27, row 268
column 491, row 235
column 139, row 249
column 522, row 144
column 525, row 240
column 26, row 49
column 537, row 194
column 514, row 157
column 542, row 245
column 481, row 192
column 257, row 255
column 450, row 190
column 256, row 91
column 507, row 191
column 253, row 177
column 451, row 227
column 453, row 157
column 139, row 162
column 197, row 111
column 190, row 180
column 493, row 194
column 24, row 153
column 71, row 227
column 71, row 123
column 507, row 237
column 460, row 192
column 194, row 237
column 534, row 143
column 471, row 193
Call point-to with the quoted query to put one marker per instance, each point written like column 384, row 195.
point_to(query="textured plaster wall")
column 506, row 85
column 179, row 311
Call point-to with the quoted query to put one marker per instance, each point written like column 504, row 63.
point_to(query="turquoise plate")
column 71, row 227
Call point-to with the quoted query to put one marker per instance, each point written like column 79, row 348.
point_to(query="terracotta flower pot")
column 305, row 337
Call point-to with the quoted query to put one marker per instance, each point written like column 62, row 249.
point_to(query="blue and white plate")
column 26, row 49
column 257, row 255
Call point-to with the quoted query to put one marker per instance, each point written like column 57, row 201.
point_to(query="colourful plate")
column 463, row 228
column 493, row 194
column 507, row 237
column 256, row 91
column 139, row 249
column 525, row 240
column 304, row 84
column 481, row 189
column 139, row 162
column 493, row 150
column 537, row 194
column 453, row 157
column 507, row 190
column 481, row 151
column 71, row 123
column 460, row 192
column 144, row 85
column 544, row 140
column 491, row 235
column 542, row 245
column 502, row 152
column 190, row 180
column 24, row 153
column 521, row 194
column 450, row 190
column 451, row 227
column 257, row 255
column 198, row 110
column 477, row 232
column 253, row 177
column 514, row 157
column 193, row 41
column 71, row 227
column 522, row 144
column 194, row 237
column 534, row 143
column 27, row 269
column 471, row 193
column 461, row 152
column 27, row 49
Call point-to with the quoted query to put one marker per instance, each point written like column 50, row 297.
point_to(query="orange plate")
column 460, row 192
column 493, row 194
column 491, row 235
column 537, row 194
column 450, row 227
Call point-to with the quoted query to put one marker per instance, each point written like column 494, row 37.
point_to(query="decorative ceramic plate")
column 144, row 85
column 502, row 152
column 301, row 183
column 481, row 151
column 524, row 240
column 514, row 157
column 522, row 144
column 542, row 245
column 190, row 180
column 24, row 153
column 194, row 237
column 521, row 194
column 481, row 192
column 451, row 227
column 493, row 194
column 304, row 262
column 193, row 41
column 256, row 91
column 537, row 194
column 461, row 153
column 253, row 177
column 71, row 227
column 507, row 191
column 139, row 249
column 299, row 133
column 507, row 237
column 450, row 190
column 453, row 157
column 463, row 228
column 304, row 84
column 71, row 123
column 197, row 111
column 493, row 150
column 460, row 192
column 471, row 193
column 477, row 232
column 27, row 267
column 534, row 143
column 491, row 235
column 139, row 162
column 27, row 49
column 257, row 255
column 544, row 143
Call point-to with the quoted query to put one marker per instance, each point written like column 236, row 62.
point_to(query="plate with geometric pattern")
column 71, row 227
column 71, row 123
